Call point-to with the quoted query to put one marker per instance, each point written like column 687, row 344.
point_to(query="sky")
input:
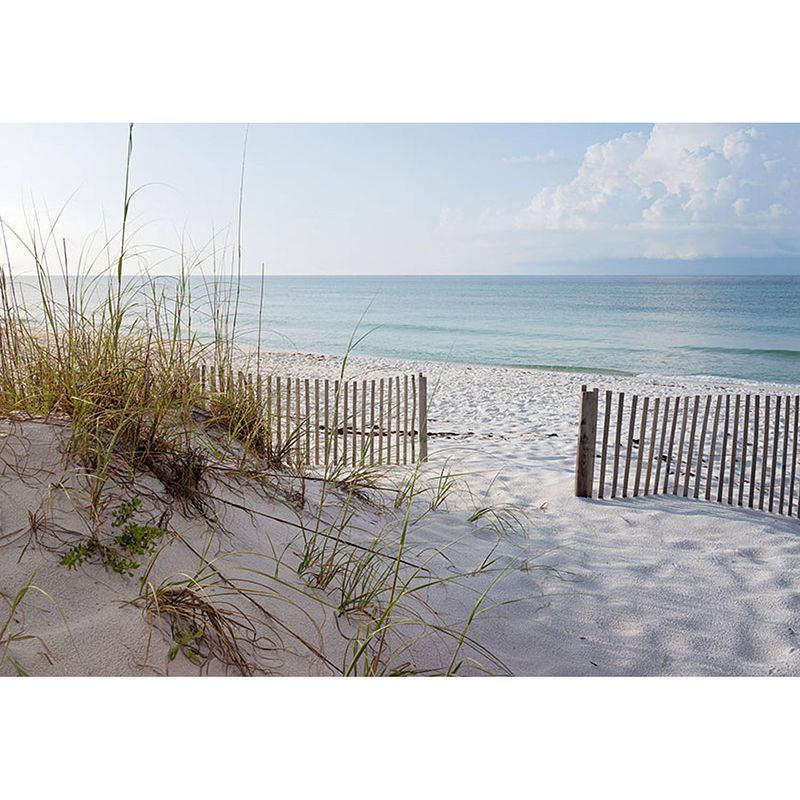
column 418, row 199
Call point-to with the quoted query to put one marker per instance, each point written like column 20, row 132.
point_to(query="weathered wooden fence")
column 739, row 449
column 323, row 421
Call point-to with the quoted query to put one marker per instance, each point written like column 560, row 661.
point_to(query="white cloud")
column 681, row 191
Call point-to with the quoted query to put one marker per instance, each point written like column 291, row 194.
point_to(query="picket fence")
column 322, row 421
column 739, row 449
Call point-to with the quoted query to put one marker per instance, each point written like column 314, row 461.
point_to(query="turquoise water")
column 737, row 327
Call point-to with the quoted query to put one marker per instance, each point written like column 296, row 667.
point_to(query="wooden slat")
column 784, row 454
column 307, row 420
column 355, row 423
column 673, row 428
column 690, row 450
column 712, row 450
column 764, row 455
column 587, row 435
column 679, row 457
column 397, row 420
column 413, row 418
column 701, row 450
column 327, row 411
column 380, row 422
column 629, row 449
column 389, row 422
column 617, row 442
column 745, row 434
column 724, row 449
column 364, row 439
column 316, row 421
column 259, row 389
column 651, row 451
column 298, row 432
column 335, row 431
column 423, row 418
column 372, row 422
column 278, row 411
column 289, row 427
column 774, row 468
column 796, row 432
column 661, row 443
column 345, row 420
column 640, row 454
column 734, row 449
column 604, row 447
column 754, row 457
column 405, row 419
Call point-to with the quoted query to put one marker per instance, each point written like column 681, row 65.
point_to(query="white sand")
column 645, row 586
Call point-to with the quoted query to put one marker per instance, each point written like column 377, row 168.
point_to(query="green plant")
column 134, row 539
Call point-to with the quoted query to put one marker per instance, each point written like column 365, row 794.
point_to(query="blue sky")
column 426, row 198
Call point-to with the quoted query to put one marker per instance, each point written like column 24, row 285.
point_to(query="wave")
column 745, row 351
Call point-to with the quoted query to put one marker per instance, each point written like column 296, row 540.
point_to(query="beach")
column 642, row 586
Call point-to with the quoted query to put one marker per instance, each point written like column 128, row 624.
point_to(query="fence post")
column 423, row 418
column 584, row 462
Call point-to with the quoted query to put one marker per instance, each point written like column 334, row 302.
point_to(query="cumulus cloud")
column 679, row 191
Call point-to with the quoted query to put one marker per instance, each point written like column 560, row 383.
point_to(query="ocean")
column 746, row 328
column 735, row 327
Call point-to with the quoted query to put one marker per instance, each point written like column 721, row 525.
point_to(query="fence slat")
column 743, row 465
column 679, row 457
column 701, row 450
column 345, row 420
column 316, row 421
column 335, row 431
column 278, row 411
column 764, row 455
column 774, row 468
column 397, row 421
column 364, row 439
column 587, row 435
column 640, row 455
column 794, row 454
column 380, row 423
column 355, row 422
column 405, row 419
column 754, row 456
column 724, row 449
column 327, row 411
column 604, row 447
column 734, row 449
column 661, row 443
column 389, row 423
column 689, row 452
column 617, row 442
column 713, row 447
column 307, row 421
column 423, row 418
column 653, row 432
column 413, row 416
column 629, row 449
column 372, row 423
column 298, row 431
column 784, row 456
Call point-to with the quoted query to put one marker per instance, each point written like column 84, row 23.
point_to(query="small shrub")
column 134, row 540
